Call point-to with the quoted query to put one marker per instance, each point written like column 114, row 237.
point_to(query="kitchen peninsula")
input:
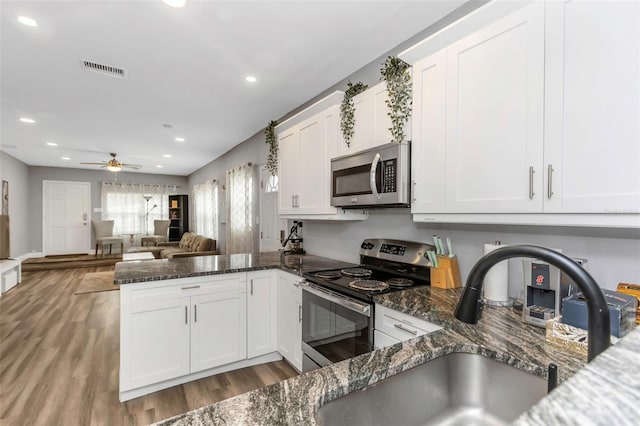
column 500, row 335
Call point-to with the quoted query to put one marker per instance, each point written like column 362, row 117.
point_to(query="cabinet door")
column 290, row 319
column 380, row 116
column 261, row 313
column 429, row 134
column 157, row 342
column 316, row 134
column 592, row 107
column 288, row 169
column 285, row 336
column 219, row 329
column 296, row 321
column 362, row 129
column 495, row 89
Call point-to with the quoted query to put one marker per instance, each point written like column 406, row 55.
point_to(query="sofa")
column 190, row 244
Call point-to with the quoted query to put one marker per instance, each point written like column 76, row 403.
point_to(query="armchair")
column 103, row 230
column 160, row 233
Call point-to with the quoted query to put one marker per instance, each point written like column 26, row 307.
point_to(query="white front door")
column 270, row 222
column 66, row 224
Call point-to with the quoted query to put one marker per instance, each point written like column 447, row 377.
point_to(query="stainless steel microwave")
column 375, row 177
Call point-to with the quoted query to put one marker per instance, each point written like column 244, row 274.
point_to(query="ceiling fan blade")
column 96, row 164
column 132, row 166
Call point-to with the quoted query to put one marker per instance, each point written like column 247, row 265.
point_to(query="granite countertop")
column 500, row 334
column 166, row 269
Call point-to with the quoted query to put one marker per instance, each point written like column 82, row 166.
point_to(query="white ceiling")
column 186, row 67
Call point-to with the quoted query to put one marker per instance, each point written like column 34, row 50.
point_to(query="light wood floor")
column 59, row 360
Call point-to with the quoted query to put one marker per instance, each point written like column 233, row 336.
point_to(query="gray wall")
column 95, row 178
column 17, row 174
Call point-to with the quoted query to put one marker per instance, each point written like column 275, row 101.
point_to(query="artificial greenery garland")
column 272, row 158
column 395, row 72
column 347, row 109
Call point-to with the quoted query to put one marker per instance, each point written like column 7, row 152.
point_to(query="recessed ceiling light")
column 179, row 139
column 174, row 3
column 159, row 166
column 167, row 155
column 66, row 158
column 250, row 79
column 29, row 22
column 27, row 120
column 52, row 144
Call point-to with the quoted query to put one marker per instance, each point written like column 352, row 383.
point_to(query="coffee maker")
column 295, row 239
column 545, row 287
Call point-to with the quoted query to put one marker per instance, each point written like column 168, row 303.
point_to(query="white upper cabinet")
column 306, row 143
column 429, row 133
column 592, row 107
column 372, row 121
column 529, row 108
column 494, row 118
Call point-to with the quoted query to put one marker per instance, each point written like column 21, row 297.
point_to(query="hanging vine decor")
column 347, row 110
column 270, row 139
column 395, row 72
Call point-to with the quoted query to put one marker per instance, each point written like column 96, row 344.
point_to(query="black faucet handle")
column 480, row 309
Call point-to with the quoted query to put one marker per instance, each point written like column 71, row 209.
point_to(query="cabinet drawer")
column 382, row 340
column 149, row 292
column 401, row 326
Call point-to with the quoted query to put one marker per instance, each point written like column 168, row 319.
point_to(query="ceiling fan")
column 114, row 165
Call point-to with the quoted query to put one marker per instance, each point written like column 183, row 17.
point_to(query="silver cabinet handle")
column 195, row 313
column 190, row 287
column 251, row 285
column 293, row 201
column 531, row 172
column 186, row 315
column 549, row 181
column 372, row 176
column 299, row 313
column 297, row 201
column 405, row 329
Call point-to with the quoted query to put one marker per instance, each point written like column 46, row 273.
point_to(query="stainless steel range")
column 337, row 304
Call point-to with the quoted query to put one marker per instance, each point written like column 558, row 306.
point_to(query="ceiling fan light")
column 114, row 165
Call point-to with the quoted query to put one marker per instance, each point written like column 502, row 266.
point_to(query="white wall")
column 17, row 174
column 613, row 255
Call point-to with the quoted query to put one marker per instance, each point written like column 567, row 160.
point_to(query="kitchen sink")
column 454, row 389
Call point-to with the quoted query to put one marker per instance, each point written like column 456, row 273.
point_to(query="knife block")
column 447, row 274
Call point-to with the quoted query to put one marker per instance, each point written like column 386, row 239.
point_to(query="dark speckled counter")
column 167, row 269
column 611, row 381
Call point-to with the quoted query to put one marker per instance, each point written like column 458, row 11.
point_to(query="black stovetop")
column 341, row 284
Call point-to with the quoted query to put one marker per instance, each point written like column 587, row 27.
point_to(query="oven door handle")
column 337, row 298
column 372, row 176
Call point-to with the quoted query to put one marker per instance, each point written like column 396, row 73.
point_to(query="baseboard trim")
column 145, row 390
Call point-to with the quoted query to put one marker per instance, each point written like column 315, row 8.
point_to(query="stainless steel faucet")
column 469, row 307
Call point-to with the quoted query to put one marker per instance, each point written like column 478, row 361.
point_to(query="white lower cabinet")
column 392, row 326
column 218, row 329
column 261, row 313
column 179, row 327
column 290, row 318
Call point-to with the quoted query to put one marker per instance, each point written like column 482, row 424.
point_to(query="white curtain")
column 205, row 209
column 125, row 203
column 239, row 184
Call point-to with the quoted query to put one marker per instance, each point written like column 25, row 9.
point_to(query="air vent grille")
column 104, row 69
